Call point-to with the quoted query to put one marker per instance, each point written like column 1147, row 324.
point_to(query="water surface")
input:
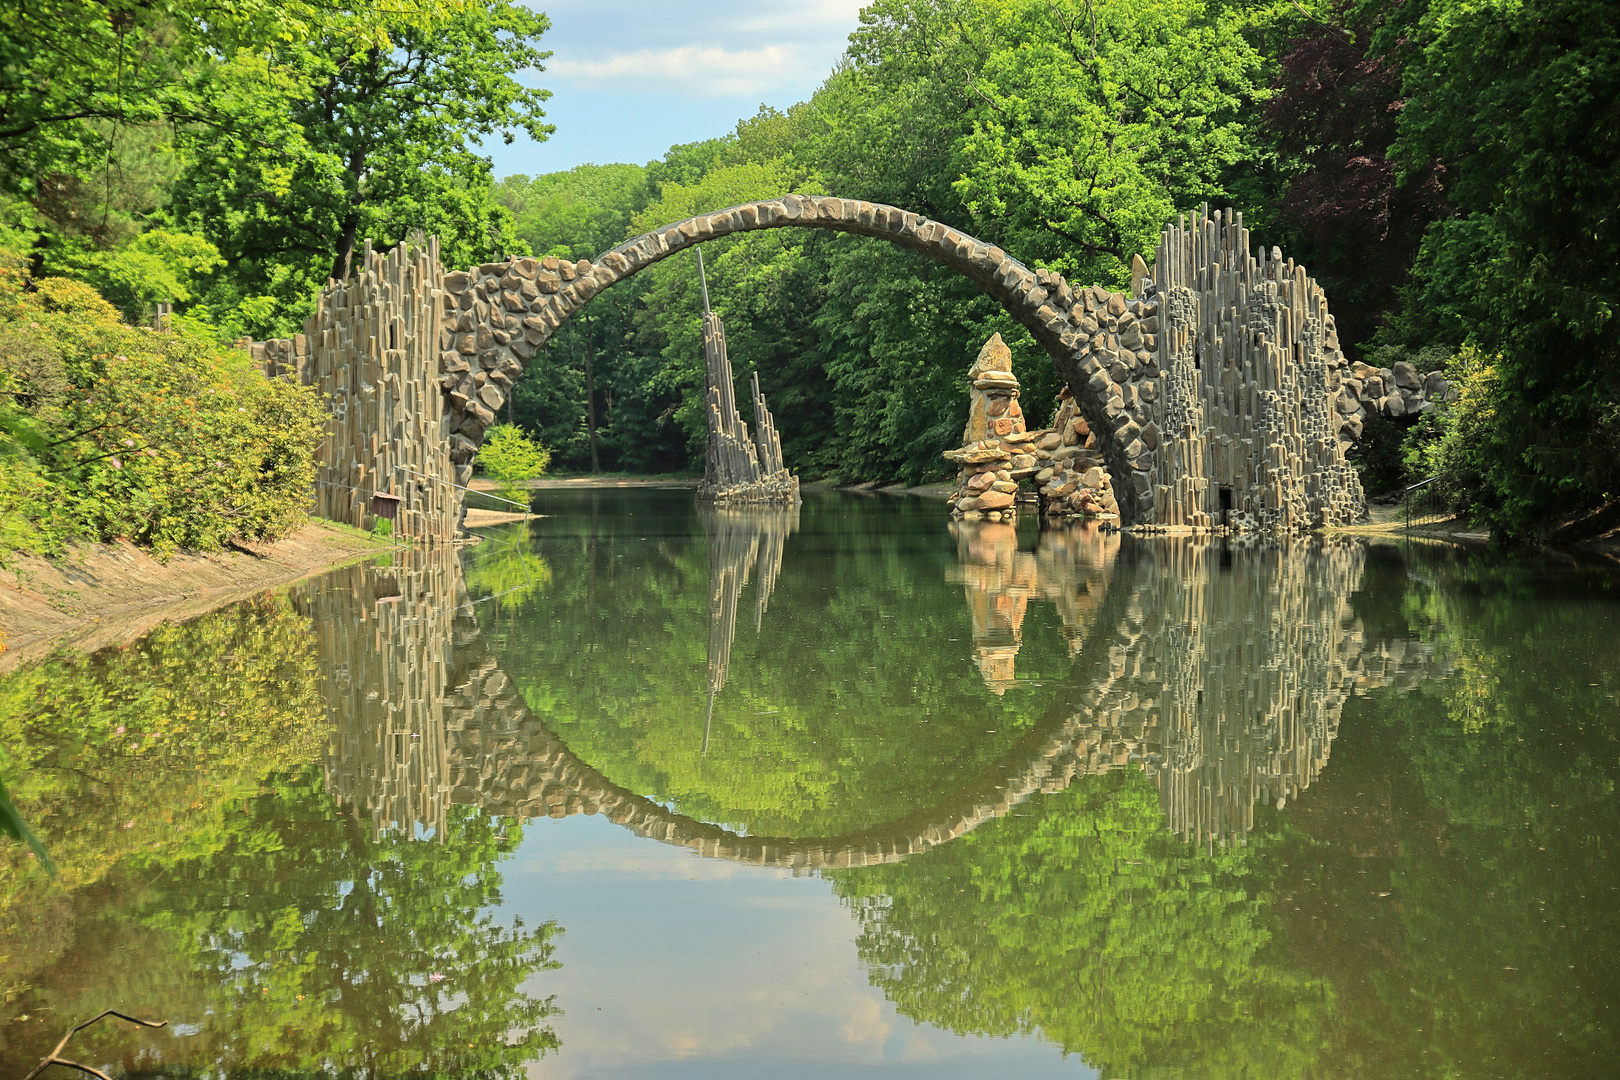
column 646, row 791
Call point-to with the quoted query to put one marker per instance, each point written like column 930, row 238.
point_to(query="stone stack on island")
column 998, row 451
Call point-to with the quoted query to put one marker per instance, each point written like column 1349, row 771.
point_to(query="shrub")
column 167, row 438
column 509, row 457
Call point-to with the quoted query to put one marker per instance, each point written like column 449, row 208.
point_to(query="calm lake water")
column 644, row 791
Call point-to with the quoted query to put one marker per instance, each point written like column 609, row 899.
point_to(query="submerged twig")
column 55, row 1057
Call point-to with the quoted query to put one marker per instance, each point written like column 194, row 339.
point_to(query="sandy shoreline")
column 108, row 594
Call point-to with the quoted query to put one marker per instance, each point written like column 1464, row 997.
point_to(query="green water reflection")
column 1442, row 902
column 1316, row 810
column 843, row 701
column 209, row 878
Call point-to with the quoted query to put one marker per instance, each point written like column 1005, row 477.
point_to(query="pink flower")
column 128, row 825
column 436, row 977
column 120, row 729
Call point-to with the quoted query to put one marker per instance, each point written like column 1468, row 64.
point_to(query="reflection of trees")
column 136, row 756
column 1083, row 919
column 211, row 879
column 502, row 568
column 358, row 954
column 1439, row 902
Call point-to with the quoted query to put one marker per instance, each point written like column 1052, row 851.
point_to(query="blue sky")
column 630, row 78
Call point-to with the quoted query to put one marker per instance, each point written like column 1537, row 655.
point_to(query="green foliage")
column 1086, row 920
column 1083, row 127
column 158, row 265
column 76, row 72
column 374, row 144
column 511, row 457
column 138, row 753
column 161, row 437
column 1518, row 99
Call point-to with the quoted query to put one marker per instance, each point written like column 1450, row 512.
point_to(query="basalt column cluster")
column 739, row 467
column 370, row 350
column 1251, row 370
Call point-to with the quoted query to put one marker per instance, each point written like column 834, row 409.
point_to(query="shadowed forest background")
column 1447, row 170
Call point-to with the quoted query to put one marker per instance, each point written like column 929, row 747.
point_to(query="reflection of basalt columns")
column 1227, row 675
column 386, row 639
column 739, row 541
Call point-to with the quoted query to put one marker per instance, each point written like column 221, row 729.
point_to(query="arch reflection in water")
column 1220, row 671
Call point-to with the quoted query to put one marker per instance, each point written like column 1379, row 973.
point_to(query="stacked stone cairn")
column 739, row 467
column 998, row 451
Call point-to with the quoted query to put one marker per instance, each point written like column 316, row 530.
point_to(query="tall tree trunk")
column 590, row 392
column 344, row 260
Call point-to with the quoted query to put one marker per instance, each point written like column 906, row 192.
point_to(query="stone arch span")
column 1216, row 389
column 1217, row 392
column 498, row 315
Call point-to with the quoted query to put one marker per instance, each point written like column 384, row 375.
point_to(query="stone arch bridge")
column 1217, row 386
column 1224, row 685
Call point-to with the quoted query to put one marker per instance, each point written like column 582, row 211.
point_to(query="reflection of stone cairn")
column 738, row 467
column 997, row 452
column 1069, row 568
column 386, row 637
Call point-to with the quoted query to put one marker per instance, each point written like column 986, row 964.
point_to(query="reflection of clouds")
column 684, row 966
column 868, row 1022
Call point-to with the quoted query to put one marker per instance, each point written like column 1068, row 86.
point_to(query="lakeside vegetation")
column 1448, row 170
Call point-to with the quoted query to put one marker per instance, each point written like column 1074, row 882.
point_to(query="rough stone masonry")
column 1215, row 392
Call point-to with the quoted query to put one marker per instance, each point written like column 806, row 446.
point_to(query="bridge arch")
column 1217, row 392
column 500, row 314
column 1215, row 389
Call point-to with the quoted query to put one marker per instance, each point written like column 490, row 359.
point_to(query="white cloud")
column 839, row 16
column 689, row 70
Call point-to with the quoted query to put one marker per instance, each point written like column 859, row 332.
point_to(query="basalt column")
column 739, row 467
column 371, row 349
column 1247, row 412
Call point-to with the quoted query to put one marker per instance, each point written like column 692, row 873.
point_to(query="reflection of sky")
column 679, row 966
